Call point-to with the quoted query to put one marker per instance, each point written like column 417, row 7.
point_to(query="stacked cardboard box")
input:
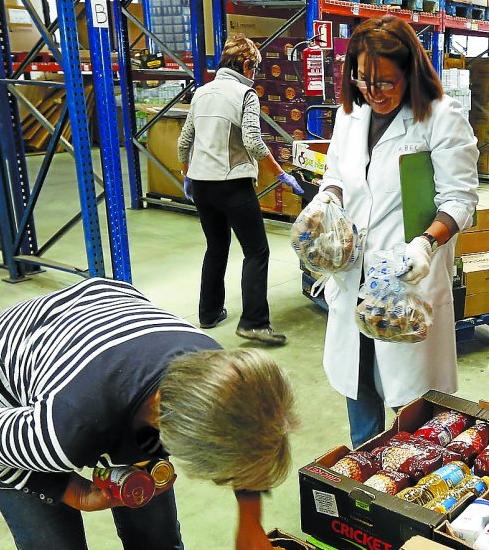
column 456, row 84
column 473, row 248
column 279, row 87
column 476, row 275
column 479, row 114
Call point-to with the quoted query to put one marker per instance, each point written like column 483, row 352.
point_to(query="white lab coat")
column 406, row 371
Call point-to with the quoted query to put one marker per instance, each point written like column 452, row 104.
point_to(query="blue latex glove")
column 187, row 188
column 289, row 180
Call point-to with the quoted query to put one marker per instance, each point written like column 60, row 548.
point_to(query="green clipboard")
column 417, row 192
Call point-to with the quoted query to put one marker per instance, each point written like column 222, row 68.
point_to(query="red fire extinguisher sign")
column 324, row 32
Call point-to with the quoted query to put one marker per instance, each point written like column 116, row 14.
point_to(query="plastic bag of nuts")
column 390, row 311
column 324, row 238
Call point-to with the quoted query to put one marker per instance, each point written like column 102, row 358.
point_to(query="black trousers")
column 222, row 206
column 39, row 526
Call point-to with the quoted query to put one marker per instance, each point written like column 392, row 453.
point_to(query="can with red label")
column 132, row 486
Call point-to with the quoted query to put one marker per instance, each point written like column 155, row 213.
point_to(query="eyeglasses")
column 380, row 86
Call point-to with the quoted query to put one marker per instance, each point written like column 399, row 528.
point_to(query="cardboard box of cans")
column 345, row 513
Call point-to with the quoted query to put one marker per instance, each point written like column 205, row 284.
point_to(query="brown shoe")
column 265, row 335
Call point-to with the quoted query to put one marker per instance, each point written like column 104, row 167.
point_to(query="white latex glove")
column 418, row 258
column 328, row 196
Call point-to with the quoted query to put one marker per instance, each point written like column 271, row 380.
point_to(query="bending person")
column 93, row 375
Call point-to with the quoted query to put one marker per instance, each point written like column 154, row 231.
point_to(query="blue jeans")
column 38, row 526
column 366, row 413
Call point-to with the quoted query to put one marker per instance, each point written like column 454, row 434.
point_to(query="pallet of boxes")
column 427, row 476
column 472, row 252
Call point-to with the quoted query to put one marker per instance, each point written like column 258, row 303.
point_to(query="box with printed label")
column 283, row 113
column 280, row 69
column 296, row 130
column 347, row 514
column 307, row 157
column 281, row 48
column 279, row 91
column 281, row 151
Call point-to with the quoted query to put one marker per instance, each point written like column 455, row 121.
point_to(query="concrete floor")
column 166, row 252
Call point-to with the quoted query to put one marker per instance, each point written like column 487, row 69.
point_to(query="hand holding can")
column 132, row 486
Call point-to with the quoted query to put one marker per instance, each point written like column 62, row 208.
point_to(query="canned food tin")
column 162, row 472
column 133, row 487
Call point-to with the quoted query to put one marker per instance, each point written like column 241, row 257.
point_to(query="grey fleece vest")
column 218, row 152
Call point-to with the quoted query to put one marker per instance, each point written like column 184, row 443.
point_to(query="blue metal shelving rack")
column 132, row 136
column 14, row 180
column 20, row 251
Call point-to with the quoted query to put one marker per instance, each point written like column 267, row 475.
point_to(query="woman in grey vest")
column 220, row 148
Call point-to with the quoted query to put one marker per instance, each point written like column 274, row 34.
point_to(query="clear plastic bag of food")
column 324, row 238
column 392, row 310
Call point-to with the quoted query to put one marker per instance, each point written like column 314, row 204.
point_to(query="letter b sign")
column 100, row 14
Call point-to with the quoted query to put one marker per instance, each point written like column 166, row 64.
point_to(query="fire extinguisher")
column 313, row 67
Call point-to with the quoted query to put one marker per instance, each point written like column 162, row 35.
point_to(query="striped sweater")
column 75, row 365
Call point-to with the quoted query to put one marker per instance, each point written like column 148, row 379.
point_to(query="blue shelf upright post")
column 437, row 51
column 14, row 180
column 438, row 42
column 147, row 23
column 81, row 140
column 312, row 13
column 128, row 108
column 100, row 53
column 219, row 20
column 198, row 39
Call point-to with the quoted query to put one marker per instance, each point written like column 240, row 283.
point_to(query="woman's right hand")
column 82, row 494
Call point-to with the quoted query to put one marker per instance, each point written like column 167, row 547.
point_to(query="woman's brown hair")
column 237, row 50
column 394, row 39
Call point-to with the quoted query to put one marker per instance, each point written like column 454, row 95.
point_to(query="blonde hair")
column 238, row 49
column 227, row 415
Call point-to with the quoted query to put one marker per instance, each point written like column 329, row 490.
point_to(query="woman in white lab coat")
column 393, row 104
